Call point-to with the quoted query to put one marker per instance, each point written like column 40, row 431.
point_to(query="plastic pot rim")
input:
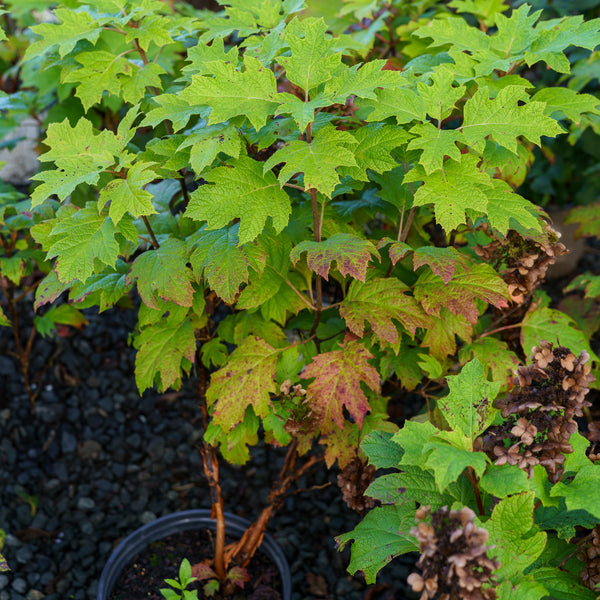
column 185, row 520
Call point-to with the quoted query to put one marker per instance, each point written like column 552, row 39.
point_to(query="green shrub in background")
column 318, row 207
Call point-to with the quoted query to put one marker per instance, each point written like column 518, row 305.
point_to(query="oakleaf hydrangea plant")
column 316, row 215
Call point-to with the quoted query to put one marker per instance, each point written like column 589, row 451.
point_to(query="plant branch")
column 513, row 326
column 473, row 479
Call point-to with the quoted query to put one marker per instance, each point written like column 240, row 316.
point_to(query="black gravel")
column 94, row 461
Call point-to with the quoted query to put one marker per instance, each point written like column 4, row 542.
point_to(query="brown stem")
column 473, row 479
column 152, row 236
column 514, row 326
column 210, row 464
column 242, row 552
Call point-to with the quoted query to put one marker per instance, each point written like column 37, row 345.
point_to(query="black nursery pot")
column 185, row 520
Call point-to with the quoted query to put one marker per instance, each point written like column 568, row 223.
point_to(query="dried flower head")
column 540, row 411
column 454, row 561
column 590, row 555
column 524, row 261
column 354, row 479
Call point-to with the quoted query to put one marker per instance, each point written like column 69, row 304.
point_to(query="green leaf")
column 79, row 155
column 403, row 103
column 302, row 112
column 469, row 405
column 230, row 92
column 383, row 534
column 448, row 462
column 567, row 102
column 411, row 438
column 553, row 326
column 436, row 145
column 214, row 353
column 553, row 40
column 81, row 238
column 240, row 191
column 4, row 322
column 207, row 143
column 104, row 289
column 162, row 272
column 505, row 209
column 218, row 256
column 73, row 27
column 455, row 31
column 503, row 480
column 379, row 301
column 458, row 187
column 440, row 97
column 174, row 108
column 461, row 293
column 247, row 379
column 337, row 385
column 100, row 71
column 267, row 284
column 313, row 59
column 562, row 585
column 515, row 33
column 375, row 144
column 350, row 253
column 485, row 10
column 151, row 29
column 582, row 492
column 504, row 120
column 361, row 80
column 163, row 349
column 498, row 360
column 412, row 484
column 381, row 450
column 516, row 540
column 524, row 588
column 588, row 218
column 129, row 194
column 405, row 365
column 587, row 282
column 64, row 314
column 318, row 160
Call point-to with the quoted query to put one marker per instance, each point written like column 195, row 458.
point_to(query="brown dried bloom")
column 524, row 260
column 354, row 479
column 590, row 555
column 453, row 559
column 540, row 411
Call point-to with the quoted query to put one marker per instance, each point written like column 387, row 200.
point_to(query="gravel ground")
column 95, row 461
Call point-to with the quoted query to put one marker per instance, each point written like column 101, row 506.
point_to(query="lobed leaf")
column 350, row 253
column 380, row 302
column 246, row 380
column 240, row 191
column 337, row 385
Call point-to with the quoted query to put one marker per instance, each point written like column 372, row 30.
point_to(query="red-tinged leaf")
column 202, row 571
column 247, row 379
column 441, row 337
column 338, row 375
column 350, row 253
column 163, row 272
column 397, row 250
column 49, row 290
column 380, row 302
column 442, row 261
column 341, row 445
column 462, row 291
column 238, row 576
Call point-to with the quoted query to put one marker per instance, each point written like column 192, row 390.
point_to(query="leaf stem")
column 513, row 326
column 294, row 289
column 149, row 228
column 473, row 479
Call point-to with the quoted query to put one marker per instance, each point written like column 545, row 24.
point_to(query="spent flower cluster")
column 454, row 559
column 540, row 411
